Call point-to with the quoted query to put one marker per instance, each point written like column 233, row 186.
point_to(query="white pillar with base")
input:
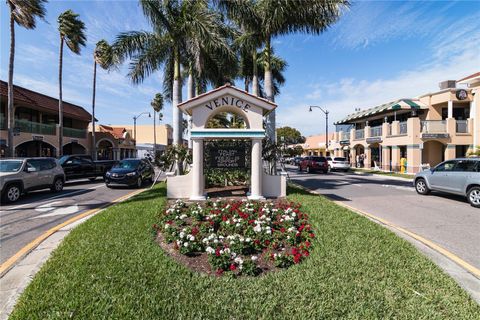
column 197, row 170
column 257, row 170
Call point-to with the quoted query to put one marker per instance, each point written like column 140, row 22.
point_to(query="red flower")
column 256, row 241
column 217, row 252
column 294, row 251
column 282, row 229
column 251, row 221
column 307, row 244
column 301, row 227
column 312, row 235
column 232, row 267
column 219, row 272
column 224, row 218
column 296, row 258
column 267, row 242
column 306, row 253
column 195, row 231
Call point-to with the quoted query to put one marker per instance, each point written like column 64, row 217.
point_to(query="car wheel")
column 108, row 186
column 12, row 193
column 307, row 169
column 473, row 196
column 57, row 185
column 299, row 168
column 421, row 187
column 139, row 182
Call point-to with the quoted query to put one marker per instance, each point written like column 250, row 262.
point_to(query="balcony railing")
column 359, row 134
column 346, row 135
column 402, row 127
column 74, row 133
column 376, row 131
column 35, row 127
column 434, row 126
column 461, row 126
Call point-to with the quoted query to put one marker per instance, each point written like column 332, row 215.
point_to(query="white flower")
column 254, row 258
column 257, row 228
column 238, row 260
column 238, row 225
column 210, row 250
column 167, row 226
column 248, row 240
column 182, row 235
column 185, row 244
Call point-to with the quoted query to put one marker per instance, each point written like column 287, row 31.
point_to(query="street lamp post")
column 135, row 125
column 326, row 125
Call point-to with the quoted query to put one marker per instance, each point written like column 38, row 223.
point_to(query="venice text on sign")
column 227, row 101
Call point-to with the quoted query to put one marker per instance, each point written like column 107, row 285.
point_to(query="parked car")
column 314, row 163
column 130, row 172
column 459, row 176
column 338, row 163
column 296, row 161
column 21, row 175
column 79, row 166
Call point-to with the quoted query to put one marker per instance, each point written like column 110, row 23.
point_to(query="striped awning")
column 402, row 104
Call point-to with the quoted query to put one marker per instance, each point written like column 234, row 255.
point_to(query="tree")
column 72, row 33
column 157, row 105
column 24, row 13
column 175, row 24
column 288, row 135
column 103, row 56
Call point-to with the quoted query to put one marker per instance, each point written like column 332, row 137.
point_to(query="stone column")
column 450, row 152
column 386, row 158
column 414, row 154
column 395, row 158
column 450, row 109
column 257, row 171
column 368, row 153
column 197, row 170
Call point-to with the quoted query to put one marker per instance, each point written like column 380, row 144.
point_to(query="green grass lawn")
column 391, row 174
column 109, row 267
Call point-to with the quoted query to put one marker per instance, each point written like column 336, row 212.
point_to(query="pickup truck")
column 79, row 166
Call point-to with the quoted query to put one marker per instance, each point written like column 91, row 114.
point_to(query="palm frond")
column 25, row 12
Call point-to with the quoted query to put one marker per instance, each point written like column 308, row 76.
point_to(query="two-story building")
column 35, row 124
column 423, row 131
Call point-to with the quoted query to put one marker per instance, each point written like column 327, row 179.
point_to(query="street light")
column 135, row 124
column 326, row 125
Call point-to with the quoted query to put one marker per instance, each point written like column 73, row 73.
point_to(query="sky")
column 377, row 52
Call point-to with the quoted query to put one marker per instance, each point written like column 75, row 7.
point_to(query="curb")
column 383, row 175
column 12, row 261
column 465, row 265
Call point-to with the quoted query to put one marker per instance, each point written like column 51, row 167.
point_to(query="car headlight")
column 107, row 174
column 131, row 174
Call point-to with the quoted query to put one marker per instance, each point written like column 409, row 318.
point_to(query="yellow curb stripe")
column 32, row 245
column 473, row 270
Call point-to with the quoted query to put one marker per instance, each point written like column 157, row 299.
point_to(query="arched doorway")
column 433, row 152
column 35, row 149
column 375, row 155
column 74, row 148
column 357, row 154
column 105, row 150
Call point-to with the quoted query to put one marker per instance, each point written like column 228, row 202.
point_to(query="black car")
column 130, row 172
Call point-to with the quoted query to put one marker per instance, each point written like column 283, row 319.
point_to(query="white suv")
column 338, row 163
column 18, row 176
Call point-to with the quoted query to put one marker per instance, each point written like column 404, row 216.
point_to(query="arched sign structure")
column 204, row 107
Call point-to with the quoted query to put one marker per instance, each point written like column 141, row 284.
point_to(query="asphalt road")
column 32, row 215
column 447, row 220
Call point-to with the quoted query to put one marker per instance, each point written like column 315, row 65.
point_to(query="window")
column 35, row 164
column 47, row 164
column 466, row 166
column 339, row 159
column 446, row 166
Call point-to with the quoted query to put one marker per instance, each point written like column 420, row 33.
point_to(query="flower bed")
column 236, row 237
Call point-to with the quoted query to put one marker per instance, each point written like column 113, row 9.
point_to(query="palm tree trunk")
column 247, row 84
column 191, row 94
column 255, row 74
column 11, row 111
column 269, row 92
column 176, row 99
column 94, row 146
column 60, row 102
column 154, row 133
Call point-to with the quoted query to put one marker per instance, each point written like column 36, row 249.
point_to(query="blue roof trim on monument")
column 228, row 134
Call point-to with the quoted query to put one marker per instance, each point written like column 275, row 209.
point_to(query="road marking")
column 398, row 187
column 32, row 245
column 58, row 212
column 473, row 270
column 55, row 197
column 47, row 206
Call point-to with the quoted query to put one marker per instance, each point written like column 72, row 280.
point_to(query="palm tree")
column 175, row 24
column 23, row 13
column 104, row 57
column 72, row 32
column 157, row 105
column 266, row 19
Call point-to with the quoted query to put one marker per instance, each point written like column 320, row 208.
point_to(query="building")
column 315, row 145
column 143, row 134
column 36, row 130
column 420, row 131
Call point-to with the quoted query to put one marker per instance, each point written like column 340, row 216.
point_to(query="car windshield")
column 318, row 159
column 10, row 165
column 127, row 164
column 62, row 160
column 339, row 159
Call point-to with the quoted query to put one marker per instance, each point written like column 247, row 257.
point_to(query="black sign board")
column 434, row 135
column 461, row 94
column 227, row 158
column 37, row 138
column 345, row 142
column 374, row 139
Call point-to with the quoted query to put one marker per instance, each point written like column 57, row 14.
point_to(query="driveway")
column 32, row 215
column 448, row 221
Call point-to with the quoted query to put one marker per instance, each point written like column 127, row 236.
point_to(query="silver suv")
column 18, row 176
column 459, row 176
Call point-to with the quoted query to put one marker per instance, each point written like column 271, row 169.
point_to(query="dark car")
column 314, row 163
column 130, row 172
column 79, row 166
column 296, row 161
